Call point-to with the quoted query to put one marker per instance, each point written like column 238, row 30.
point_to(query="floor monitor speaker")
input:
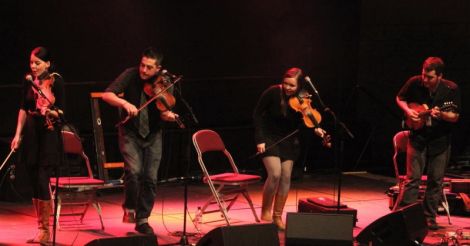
column 319, row 229
column 125, row 241
column 242, row 235
column 406, row 226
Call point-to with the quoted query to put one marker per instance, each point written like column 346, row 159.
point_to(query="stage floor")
column 362, row 191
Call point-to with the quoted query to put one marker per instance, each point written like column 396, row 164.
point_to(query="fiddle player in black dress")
column 274, row 119
column 38, row 134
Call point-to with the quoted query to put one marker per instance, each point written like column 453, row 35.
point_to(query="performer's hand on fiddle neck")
column 168, row 115
column 436, row 113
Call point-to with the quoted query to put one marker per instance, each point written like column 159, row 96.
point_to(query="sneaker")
column 129, row 216
column 144, row 228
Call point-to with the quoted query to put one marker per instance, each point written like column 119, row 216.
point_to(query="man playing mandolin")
column 431, row 105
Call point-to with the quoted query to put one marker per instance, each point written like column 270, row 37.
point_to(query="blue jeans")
column 436, row 165
column 142, row 160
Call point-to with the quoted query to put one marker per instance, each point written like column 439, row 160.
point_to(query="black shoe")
column 144, row 228
column 432, row 225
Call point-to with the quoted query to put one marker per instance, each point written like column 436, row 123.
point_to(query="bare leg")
column 273, row 168
column 282, row 193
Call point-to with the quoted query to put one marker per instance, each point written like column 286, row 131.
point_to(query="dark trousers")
column 142, row 159
column 436, row 165
column 40, row 148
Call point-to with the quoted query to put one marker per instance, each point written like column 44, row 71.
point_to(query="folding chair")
column 229, row 184
column 76, row 190
column 400, row 142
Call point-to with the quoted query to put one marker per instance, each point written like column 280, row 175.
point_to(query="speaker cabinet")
column 405, row 226
column 125, row 241
column 242, row 235
column 319, row 229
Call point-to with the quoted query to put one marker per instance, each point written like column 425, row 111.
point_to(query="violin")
column 311, row 117
column 165, row 101
column 45, row 98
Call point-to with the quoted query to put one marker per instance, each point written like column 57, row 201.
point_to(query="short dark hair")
column 434, row 63
column 152, row 53
column 41, row 53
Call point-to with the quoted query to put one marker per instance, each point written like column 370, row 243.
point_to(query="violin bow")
column 276, row 143
column 150, row 100
column 6, row 159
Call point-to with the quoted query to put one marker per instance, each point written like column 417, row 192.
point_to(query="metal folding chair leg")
column 219, row 201
column 98, row 209
column 445, row 205
column 250, row 202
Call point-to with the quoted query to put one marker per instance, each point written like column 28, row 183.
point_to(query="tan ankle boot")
column 266, row 207
column 279, row 203
column 43, row 214
column 36, row 212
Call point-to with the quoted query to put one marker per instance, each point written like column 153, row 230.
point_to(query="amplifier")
column 460, row 186
column 325, row 205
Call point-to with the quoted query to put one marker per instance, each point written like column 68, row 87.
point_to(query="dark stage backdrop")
column 396, row 37
column 358, row 53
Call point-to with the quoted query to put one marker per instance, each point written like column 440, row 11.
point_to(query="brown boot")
column 36, row 212
column 266, row 207
column 279, row 203
column 43, row 214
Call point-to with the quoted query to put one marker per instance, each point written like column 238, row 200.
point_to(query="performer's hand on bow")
column 320, row 132
column 130, row 109
column 15, row 143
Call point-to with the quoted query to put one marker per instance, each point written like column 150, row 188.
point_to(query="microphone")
column 325, row 108
column 29, row 78
column 165, row 72
column 311, row 84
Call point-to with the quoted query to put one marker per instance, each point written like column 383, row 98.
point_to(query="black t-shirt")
column 436, row 136
column 130, row 83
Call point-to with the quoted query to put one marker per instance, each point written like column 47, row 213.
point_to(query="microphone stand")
column 184, row 237
column 339, row 152
column 57, row 127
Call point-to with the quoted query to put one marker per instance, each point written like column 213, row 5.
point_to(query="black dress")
column 40, row 145
column 273, row 120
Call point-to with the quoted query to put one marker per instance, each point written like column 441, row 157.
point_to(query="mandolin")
column 424, row 112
